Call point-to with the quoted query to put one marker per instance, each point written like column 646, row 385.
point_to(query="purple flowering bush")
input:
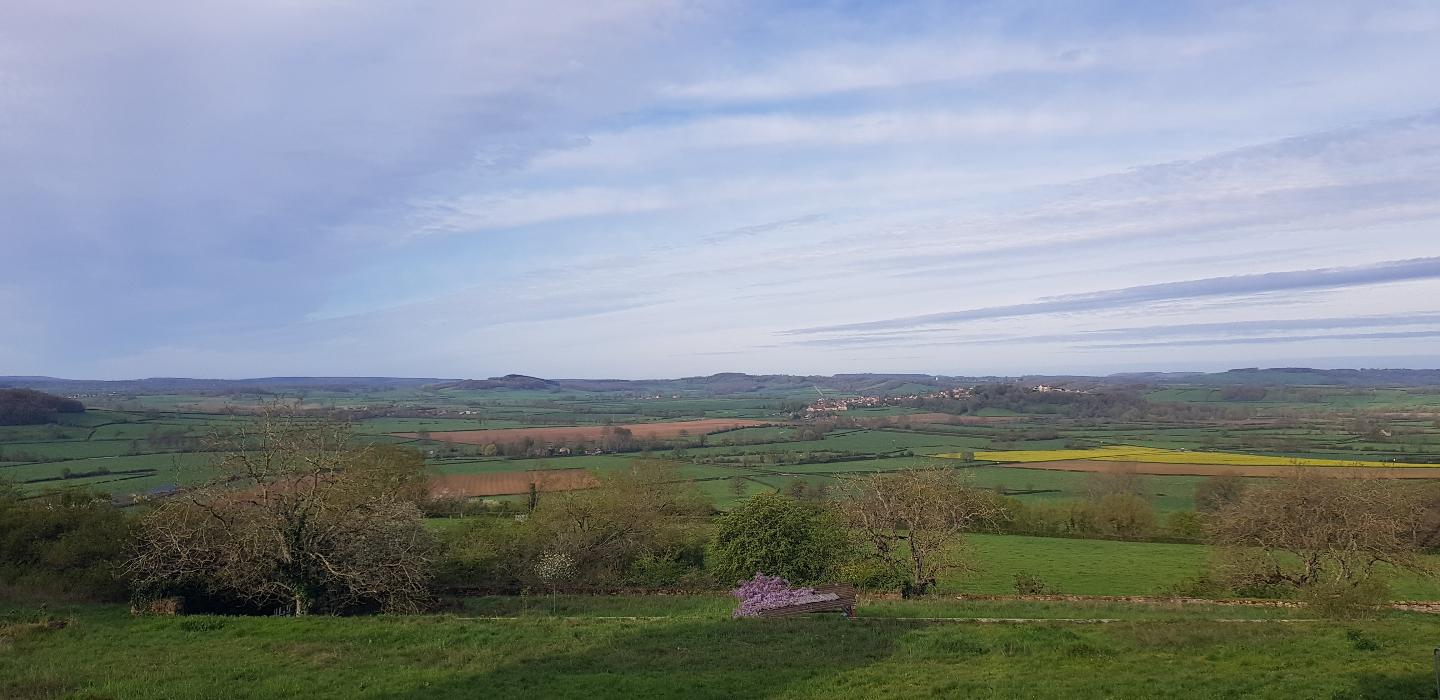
column 769, row 592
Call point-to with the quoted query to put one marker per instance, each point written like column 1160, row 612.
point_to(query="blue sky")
column 645, row 188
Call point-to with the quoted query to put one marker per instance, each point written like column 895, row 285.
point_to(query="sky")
column 647, row 188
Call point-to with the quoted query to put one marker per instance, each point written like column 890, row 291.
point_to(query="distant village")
column 828, row 405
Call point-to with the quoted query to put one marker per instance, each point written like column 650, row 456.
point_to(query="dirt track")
column 588, row 433
column 1096, row 465
column 506, row 483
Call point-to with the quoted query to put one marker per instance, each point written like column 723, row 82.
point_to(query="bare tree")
column 911, row 521
column 298, row 519
column 1219, row 491
column 1309, row 530
column 1121, row 478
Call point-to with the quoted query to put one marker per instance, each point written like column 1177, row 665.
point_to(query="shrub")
column 870, row 573
column 480, row 555
column 1338, row 600
column 1185, row 524
column 769, row 532
column 634, row 514
column 1202, row 586
column 1124, row 515
column 1027, row 583
column 68, row 543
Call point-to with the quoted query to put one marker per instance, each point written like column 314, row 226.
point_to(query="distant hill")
column 741, row 384
column 31, row 407
column 1296, row 376
column 509, row 381
column 184, row 385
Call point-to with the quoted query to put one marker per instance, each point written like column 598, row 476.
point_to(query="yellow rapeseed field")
column 1155, row 455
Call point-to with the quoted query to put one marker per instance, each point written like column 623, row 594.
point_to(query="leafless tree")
column 297, row 518
column 1219, row 491
column 1122, row 478
column 1306, row 530
column 912, row 521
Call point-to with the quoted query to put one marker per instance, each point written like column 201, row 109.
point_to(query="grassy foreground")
column 687, row 647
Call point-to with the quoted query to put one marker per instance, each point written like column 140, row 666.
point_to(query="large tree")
column 777, row 535
column 912, row 521
column 1307, row 530
column 298, row 519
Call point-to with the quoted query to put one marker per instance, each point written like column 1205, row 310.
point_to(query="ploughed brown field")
column 588, row 433
column 1096, row 465
column 508, row 483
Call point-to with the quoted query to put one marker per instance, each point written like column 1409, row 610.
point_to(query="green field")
column 147, row 435
column 684, row 647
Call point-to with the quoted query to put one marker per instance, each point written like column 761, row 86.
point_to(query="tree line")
column 300, row 520
column 31, row 407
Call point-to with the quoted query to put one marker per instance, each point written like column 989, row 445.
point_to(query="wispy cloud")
column 676, row 188
column 1217, row 332
column 1265, row 340
column 1327, row 278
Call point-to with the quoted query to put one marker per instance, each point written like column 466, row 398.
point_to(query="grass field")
column 685, row 647
column 146, row 436
column 1105, row 567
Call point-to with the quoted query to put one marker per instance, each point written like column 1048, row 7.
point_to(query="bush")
column 68, row 543
column 777, row 535
column 636, row 528
column 1202, row 586
column 479, row 555
column 1027, row 583
column 870, row 574
column 1185, row 525
column 1339, row 600
column 678, row 570
column 632, row 531
column 1124, row 515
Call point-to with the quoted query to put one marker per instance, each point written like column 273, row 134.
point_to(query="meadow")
column 687, row 647
column 135, row 445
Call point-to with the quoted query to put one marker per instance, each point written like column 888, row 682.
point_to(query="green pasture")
column 681, row 647
column 859, row 441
